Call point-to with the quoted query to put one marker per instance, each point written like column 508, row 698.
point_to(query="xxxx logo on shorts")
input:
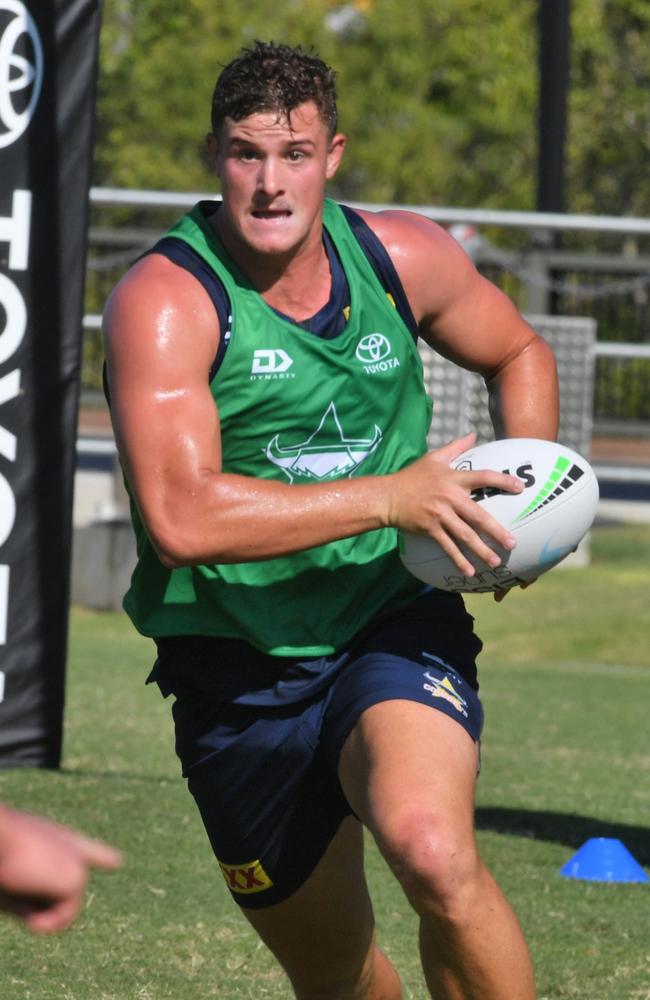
column 246, row 878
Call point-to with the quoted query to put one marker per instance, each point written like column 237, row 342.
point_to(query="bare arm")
column 471, row 322
column 161, row 336
column 468, row 320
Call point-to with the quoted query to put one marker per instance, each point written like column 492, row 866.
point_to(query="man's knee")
column 436, row 863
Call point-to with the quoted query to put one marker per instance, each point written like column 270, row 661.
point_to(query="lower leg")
column 323, row 935
column 478, row 953
column 376, row 980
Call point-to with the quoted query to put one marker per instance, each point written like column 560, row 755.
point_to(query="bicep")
column 460, row 313
column 479, row 328
column 160, row 344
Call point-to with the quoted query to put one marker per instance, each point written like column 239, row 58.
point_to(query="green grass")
column 565, row 679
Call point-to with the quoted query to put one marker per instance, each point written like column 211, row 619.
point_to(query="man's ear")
column 334, row 154
column 212, row 150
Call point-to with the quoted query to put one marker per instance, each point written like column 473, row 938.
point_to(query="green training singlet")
column 299, row 409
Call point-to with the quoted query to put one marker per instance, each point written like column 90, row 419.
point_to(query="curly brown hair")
column 270, row 77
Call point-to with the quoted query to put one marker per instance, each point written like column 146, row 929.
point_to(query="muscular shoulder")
column 431, row 265
column 157, row 289
column 160, row 308
column 399, row 231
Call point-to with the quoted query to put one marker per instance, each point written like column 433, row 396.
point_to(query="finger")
column 481, row 524
column 454, row 448
column 500, row 594
column 447, row 542
column 490, row 479
column 98, row 854
column 41, row 914
column 54, row 918
column 472, row 543
column 465, row 547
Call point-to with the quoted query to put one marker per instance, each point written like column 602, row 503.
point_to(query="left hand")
column 44, row 869
column 499, row 595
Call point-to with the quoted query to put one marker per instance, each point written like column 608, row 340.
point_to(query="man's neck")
column 297, row 284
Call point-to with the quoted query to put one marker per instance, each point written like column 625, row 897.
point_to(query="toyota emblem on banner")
column 21, row 70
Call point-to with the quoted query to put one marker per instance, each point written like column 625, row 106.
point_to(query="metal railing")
column 597, row 278
column 472, row 216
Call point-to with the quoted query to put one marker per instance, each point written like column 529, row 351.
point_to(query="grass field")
column 566, row 756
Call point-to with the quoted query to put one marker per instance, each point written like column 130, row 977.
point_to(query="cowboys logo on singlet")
column 326, row 454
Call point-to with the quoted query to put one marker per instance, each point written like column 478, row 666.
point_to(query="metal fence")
column 462, row 400
column 566, row 265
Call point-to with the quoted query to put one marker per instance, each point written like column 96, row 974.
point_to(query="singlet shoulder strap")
column 181, row 253
column 383, row 266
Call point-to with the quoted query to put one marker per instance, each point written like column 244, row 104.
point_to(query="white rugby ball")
column 548, row 519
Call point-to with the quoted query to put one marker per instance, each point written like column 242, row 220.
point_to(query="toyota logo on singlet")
column 21, row 70
column 372, row 348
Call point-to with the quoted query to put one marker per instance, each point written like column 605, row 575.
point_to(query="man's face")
column 273, row 175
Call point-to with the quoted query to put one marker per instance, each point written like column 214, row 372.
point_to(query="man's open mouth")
column 271, row 213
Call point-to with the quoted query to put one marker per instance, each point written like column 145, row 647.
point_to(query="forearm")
column 232, row 518
column 524, row 395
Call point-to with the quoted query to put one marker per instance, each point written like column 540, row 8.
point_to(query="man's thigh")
column 269, row 800
column 426, row 654
column 405, row 762
column 402, row 726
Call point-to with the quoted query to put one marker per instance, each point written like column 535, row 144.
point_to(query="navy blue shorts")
column 259, row 736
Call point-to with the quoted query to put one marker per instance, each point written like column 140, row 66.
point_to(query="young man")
column 319, row 688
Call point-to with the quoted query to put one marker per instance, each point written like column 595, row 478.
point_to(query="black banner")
column 48, row 60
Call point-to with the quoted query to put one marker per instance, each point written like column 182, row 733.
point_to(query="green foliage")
column 439, row 100
column 438, row 103
column 609, row 137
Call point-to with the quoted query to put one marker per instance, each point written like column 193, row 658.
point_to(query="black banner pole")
column 48, row 64
column 554, row 44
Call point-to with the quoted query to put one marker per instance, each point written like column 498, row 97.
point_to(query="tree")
column 439, row 100
column 609, row 117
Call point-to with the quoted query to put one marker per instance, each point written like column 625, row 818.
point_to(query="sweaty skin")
column 407, row 772
column 162, row 334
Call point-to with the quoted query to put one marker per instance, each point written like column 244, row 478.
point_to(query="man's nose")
column 268, row 177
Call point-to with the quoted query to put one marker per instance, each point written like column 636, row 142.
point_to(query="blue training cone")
column 603, row 859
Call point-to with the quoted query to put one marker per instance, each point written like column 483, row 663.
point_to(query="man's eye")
column 296, row 155
column 247, row 155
